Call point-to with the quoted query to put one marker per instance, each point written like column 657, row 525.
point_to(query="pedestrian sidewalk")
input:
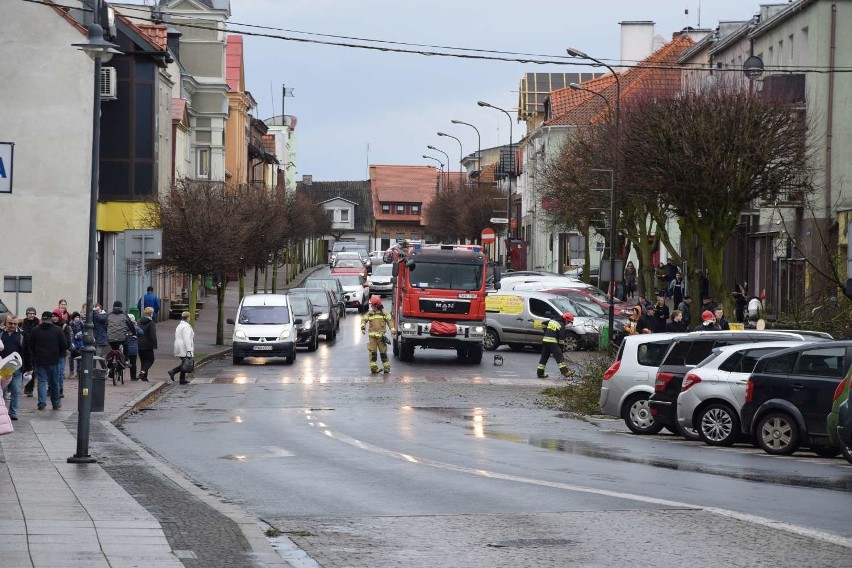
column 57, row 514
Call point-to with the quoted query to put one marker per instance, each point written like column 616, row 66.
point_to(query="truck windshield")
column 446, row 276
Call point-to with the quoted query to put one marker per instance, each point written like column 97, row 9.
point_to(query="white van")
column 264, row 327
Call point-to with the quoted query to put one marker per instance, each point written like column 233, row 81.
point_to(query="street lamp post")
column 612, row 200
column 437, row 160
column 512, row 162
column 461, row 152
column 478, row 147
column 100, row 51
column 447, row 171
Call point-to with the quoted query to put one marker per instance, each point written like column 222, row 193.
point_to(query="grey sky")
column 346, row 99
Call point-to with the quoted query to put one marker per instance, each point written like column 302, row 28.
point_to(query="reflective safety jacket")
column 375, row 322
column 554, row 332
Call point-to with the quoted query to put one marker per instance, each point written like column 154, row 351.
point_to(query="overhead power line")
column 476, row 54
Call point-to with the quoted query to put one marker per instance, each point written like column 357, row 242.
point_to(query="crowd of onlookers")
column 50, row 347
column 648, row 317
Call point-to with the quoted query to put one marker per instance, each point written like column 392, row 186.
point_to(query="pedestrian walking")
column 76, row 349
column 374, row 323
column 66, row 332
column 132, row 343
column 685, row 308
column 555, row 333
column 47, row 345
column 99, row 319
column 29, row 323
column 677, row 289
column 147, row 342
column 149, row 300
column 184, row 346
column 13, row 340
column 629, row 279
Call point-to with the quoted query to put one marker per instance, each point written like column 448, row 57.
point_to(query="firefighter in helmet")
column 373, row 323
column 554, row 336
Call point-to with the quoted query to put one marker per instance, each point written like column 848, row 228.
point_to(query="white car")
column 355, row 291
column 536, row 283
column 377, row 257
column 629, row 382
column 714, row 391
column 380, row 280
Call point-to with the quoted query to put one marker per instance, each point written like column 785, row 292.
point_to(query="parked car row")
column 781, row 390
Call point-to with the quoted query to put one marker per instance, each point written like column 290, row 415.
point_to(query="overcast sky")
column 346, row 99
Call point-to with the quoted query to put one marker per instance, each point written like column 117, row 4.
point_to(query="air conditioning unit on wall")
column 109, row 84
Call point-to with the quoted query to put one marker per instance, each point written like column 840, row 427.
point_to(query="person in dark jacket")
column 685, row 308
column 740, row 302
column 708, row 322
column 647, row 323
column 99, row 318
column 132, row 344
column 721, row 320
column 661, row 314
column 676, row 324
column 118, row 326
column 147, row 342
column 27, row 325
column 14, row 341
column 66, row 331
column 47, row 345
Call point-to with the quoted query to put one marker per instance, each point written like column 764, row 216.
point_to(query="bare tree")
column 708, row 155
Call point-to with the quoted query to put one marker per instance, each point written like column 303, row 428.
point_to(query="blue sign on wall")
column 7, row 154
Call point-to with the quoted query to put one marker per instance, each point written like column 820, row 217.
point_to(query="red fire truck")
column 439, row 299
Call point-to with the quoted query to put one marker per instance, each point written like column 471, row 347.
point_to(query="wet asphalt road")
column 440, row 461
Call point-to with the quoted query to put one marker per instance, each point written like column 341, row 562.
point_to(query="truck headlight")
column 408, row 326
column 240, row 334
column 323, row 316
column 479, row 329
column 284, row 334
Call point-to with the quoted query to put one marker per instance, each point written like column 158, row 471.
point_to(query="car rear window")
column 651, row 354
column 744, row 361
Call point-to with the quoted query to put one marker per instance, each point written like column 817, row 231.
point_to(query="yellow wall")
column 236, row 151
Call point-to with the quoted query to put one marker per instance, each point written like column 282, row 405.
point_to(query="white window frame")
column 202, row 163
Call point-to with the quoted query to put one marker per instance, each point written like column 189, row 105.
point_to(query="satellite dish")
column 761, row 324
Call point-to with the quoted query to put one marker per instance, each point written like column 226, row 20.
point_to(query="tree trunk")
column 645, row 276
column 193, row 298
column 242, row 283
column 220, row 311
column 587, row 260
column 275, row 272
column 256, row 277
column 714, row 260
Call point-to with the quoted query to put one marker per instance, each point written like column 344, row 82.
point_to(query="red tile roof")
column 178, row 109
column 579, row 107
column 157, row 33
column 234, row 63
column 401, row 184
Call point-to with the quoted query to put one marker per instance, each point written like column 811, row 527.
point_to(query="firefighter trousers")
column 549, row 349
column 377, row 346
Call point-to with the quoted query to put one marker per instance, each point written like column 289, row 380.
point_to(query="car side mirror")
column 298, row 321
column 230, row 321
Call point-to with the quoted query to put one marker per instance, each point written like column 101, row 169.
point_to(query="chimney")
column 307, row 179
column 637, row 41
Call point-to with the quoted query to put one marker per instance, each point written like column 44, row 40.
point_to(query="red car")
column 596, row 296
column 348, row 267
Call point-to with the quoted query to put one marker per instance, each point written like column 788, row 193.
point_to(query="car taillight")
column 613, row 369
column 749, row 390
column 662, row 380
column 839, row 389
column 689, row 380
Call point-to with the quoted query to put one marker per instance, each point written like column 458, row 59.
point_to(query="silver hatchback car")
column 629, row 382
column 714, row 391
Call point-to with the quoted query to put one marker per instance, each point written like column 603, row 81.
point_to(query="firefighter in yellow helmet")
column 373, row 323
column 554, row 335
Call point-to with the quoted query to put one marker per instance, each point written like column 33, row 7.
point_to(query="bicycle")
column 116, row 364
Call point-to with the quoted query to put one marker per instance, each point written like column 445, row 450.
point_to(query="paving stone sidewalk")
column 129, row 509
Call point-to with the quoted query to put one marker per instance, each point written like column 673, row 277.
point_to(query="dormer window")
column 415, row 210
column 400, row 209
column 385, row 208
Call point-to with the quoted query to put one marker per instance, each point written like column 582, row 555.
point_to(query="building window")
column 344, row 215
column 329, row 213
column 415, row 210
column 203, row 161
column 400, row 209
column 400, row 237
column 385, row 208
column 415, row 236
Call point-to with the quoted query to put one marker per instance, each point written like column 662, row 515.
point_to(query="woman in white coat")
column 184, row 346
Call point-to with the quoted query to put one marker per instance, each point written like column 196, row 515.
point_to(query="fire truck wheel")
column 461, row 352
column 474, row 354
column 406, row 351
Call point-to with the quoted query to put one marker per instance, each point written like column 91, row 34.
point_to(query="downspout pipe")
column 832, row 57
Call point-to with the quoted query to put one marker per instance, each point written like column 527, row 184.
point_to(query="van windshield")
column 264, row 315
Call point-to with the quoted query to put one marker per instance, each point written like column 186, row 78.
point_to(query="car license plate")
column 263, row 348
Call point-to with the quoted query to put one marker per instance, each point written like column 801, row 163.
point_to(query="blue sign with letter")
column 7, row 154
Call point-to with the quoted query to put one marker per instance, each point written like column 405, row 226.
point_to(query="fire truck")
column 439, row 299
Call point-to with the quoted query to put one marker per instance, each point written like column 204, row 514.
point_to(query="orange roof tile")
column 157, row 33
column 579, row 107
column 178, row 109
column 401, row 184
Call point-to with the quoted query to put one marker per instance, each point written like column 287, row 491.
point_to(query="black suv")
column 687, row 352
column 789, row 395
column 328, row 321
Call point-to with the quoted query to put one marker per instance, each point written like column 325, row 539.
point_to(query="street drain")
column 531, row 543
